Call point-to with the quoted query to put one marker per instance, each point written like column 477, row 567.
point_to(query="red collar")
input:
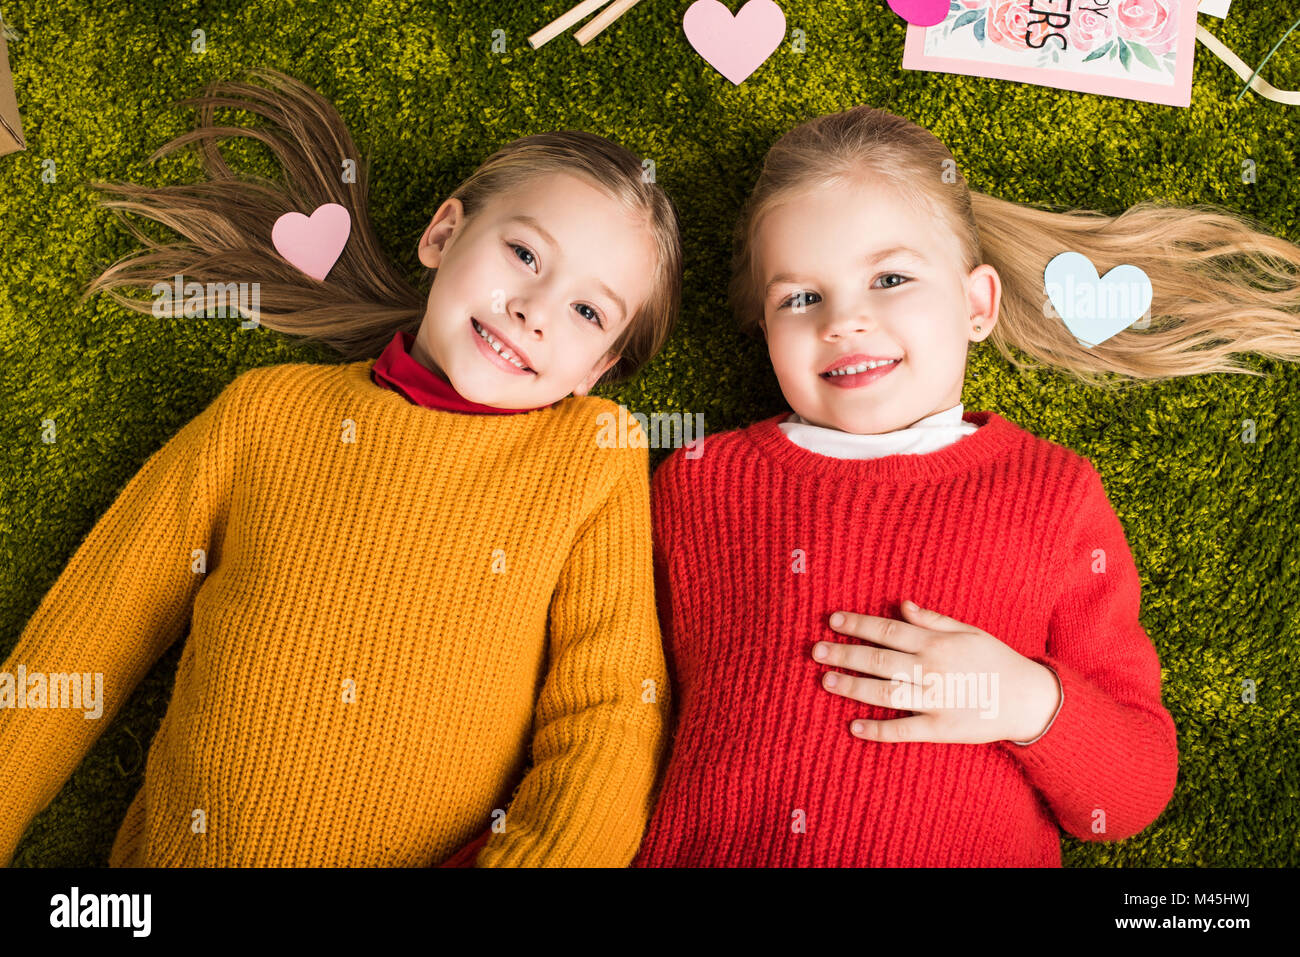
column 398, row 370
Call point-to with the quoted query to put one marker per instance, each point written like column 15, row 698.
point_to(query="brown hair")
column 1220, row 284
column 364, row 300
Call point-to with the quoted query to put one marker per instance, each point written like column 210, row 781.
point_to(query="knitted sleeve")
column 1108, row 763
column 122, row 599
column 599, row 730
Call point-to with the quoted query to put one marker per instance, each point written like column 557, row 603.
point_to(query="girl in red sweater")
column 822, row 720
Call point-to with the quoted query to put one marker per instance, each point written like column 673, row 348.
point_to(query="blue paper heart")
column 1095, row 308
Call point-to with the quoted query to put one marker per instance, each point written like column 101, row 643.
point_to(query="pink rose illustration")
column 1153, row 23
column 1006, row 23
column 1089, row 30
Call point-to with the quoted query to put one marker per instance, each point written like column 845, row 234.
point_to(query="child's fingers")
column 879, row 691
column 883, row 631
column 929, row 618
column 882, row 662
column 916, row 727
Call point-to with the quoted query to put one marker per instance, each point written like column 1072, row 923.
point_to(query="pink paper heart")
column 923, row 13
column 313, row 245
column 734, row 46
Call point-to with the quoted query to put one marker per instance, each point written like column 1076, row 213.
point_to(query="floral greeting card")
column 1137, row 49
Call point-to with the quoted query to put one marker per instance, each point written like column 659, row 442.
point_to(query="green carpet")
column 1211, row 520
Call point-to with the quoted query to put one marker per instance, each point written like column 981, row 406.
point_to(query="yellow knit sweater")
column 393, row 612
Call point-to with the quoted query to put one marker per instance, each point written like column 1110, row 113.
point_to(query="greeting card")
column 1136, row 49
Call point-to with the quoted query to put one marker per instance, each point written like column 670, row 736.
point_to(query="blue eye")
column 531, row 258
column 595, row 316
column 896, row 276
column 804, row 296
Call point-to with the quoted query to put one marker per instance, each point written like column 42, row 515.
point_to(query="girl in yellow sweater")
column 394, row 608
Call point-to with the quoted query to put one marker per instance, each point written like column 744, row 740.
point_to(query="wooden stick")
column 563, row 22
column 608, row 16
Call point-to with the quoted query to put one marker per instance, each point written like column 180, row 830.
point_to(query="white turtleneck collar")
column 931, row 433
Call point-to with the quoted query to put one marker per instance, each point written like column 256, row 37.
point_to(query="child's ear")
column 445, row 223
column 762, row 324
column 983, row 296
column 598, row 370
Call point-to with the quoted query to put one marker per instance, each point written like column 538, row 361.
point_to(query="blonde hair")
column 364, row 300
column 1221, row 284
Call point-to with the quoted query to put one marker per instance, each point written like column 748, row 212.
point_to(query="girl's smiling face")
column 852, row 273
column 552, row 272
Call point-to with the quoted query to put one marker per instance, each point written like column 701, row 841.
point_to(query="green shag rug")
column 1211, row 519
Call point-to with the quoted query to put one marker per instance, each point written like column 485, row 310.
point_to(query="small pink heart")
column 734, row 46
column 313, row 245
column 923, row 13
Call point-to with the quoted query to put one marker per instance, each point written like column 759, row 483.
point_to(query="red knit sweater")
column 1000, row 530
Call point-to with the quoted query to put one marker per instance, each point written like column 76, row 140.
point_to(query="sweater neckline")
column 993, row 437
column 357, row 377
column 399, row 370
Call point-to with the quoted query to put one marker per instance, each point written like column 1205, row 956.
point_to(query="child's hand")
column 970, row 688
